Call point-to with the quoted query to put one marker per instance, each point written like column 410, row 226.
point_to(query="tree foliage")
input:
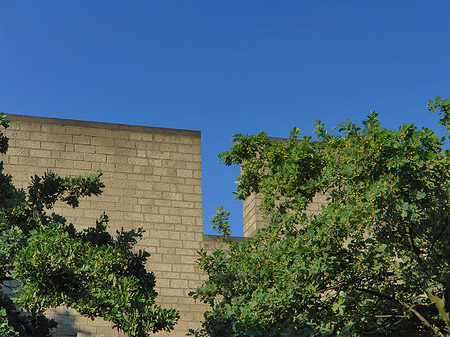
column 374, row 262
column 54, row 264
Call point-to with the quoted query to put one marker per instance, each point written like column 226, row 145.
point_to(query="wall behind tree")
column 152, row 179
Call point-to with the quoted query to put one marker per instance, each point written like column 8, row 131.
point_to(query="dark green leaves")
column 51, row 187
column 3, row 140
column 444, row 110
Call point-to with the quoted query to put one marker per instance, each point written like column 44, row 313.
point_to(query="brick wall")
column 254, row 218
column 153, row 180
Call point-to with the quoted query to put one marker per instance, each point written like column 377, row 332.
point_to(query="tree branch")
column 8, row 265
column 423, row 319
column 413, row 246
column 409, row 307
column 447, row 223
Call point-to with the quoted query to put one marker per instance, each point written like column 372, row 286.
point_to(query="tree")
column 374, row 262
column 54, row 264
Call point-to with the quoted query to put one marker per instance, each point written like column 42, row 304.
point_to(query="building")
column 152, row 179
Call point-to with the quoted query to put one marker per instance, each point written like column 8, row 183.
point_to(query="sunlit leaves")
column 375, row 261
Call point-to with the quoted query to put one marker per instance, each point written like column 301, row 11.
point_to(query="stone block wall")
column 152, row 179
column 254, row 218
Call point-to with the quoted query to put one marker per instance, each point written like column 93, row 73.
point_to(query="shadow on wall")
column 71, row 324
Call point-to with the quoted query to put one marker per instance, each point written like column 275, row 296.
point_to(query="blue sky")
column 224, row 67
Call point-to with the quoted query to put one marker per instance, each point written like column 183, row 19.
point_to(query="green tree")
column 374, row 262
column 54, row 264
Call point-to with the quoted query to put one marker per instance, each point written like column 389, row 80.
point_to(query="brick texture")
column 152, row 179
column 253, row 216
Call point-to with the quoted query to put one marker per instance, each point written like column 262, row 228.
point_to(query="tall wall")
column 153, row 180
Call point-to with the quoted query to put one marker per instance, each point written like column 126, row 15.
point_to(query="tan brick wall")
column 253, row 216
column 153, row 180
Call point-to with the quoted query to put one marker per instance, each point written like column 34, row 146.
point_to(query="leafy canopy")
column 374, row 262
column 54, row 264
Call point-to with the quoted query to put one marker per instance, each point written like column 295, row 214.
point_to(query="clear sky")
column 224, row 67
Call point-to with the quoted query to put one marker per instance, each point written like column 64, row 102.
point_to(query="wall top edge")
column 101, row 125
column 211, row 237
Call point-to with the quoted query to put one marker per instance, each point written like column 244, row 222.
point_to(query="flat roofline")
column 101, row 125
column 212, row 238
